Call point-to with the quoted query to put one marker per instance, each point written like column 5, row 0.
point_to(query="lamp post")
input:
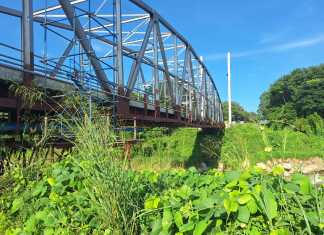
column 229, row 94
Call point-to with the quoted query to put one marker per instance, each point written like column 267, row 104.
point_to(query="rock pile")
column 313, row 167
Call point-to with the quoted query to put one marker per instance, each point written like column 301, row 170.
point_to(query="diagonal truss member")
column 81, row 35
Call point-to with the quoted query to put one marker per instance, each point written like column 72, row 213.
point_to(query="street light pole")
column 229, row 93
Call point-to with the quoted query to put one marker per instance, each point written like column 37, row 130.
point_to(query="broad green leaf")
column 204, row 203
column 39, row 189
column 41, row 215
column 278, row 170
column 152, row 203
column 254, row 231
column 270, row 204
column 243, row 184
column 49, row 231
column 230, row 206
column 243, row 214
column 234, row 194
column 187, row 227
column 304, row 182
column 201, row 227
column 253, row 207
column 291, row 188
column 167, row 219
column 153, row 178
column 245, row 175
column 184, row 192
column 243, row 199
column 54, row 197
column 281, row 231
column 17, row 204
column 178, row 219
column 51, row 181
column 156, row 227
column 231, row 184
column 30, row 225
column 313, row 218
column 232, row 175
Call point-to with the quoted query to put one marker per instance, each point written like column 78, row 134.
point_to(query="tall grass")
column 258, row 143
column 108, row 182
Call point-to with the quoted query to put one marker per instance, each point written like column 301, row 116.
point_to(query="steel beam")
column 85, row 42
column 53, row 8
column 135, row 67
column 119, row 47
column 28, row 41
column 60, row 62
column 165, row 63
column 156, row 78
column 126, row 51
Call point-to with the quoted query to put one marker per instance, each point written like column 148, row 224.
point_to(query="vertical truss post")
column 206, row 100
column 119, row 47
column 191, row 84
column 215, row 113
column 156, row 80
column 202, row 91
column 85, row 42
column 28, row 41
column 175, row 81
column 184, row 78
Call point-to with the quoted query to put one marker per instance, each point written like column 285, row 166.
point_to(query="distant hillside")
column 295, row 95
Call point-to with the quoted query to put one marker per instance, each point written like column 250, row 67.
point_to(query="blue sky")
column 267, row 39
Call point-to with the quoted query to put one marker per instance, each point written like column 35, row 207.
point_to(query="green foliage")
column 296, row 95
column 29, row 95
column 254, row 143
column 163, row 148
column 247, row 202
column 238, row 113
column 90, row 192
column 93, row 192
column 311, row 125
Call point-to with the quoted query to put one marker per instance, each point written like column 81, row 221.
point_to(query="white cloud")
column 273, row 49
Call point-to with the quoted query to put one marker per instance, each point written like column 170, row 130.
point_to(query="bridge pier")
column 122, row 107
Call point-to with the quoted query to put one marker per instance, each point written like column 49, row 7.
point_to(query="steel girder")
column 182, row 76
column 70, row 14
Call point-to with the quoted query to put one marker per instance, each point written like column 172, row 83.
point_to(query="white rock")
column 287, row 166
column 261, row 165
column 308, row 169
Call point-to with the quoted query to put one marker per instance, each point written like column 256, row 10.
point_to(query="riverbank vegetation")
column 94, row 191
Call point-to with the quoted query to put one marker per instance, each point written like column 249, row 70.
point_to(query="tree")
column 238, row 113
column 293, row 96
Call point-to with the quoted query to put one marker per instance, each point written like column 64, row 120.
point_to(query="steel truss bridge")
column 119, row 51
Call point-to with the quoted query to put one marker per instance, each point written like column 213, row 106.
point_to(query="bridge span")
column 119, row 52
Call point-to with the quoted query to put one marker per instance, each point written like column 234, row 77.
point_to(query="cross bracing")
column 118, row 47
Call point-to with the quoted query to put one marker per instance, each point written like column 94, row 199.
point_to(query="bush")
column 248, row 202
column 311, row 125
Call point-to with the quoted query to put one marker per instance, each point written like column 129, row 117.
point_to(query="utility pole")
column 229, row 88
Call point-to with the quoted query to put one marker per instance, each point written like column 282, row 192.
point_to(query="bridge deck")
column 139, row 111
